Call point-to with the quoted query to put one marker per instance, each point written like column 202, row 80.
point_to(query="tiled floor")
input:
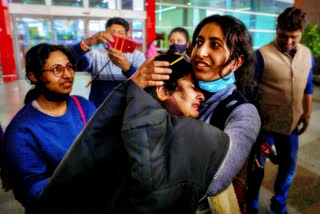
column 304, row 195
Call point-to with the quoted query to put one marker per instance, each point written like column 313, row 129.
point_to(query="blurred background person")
column 284, row 73
column 179, row 41
column 121, row 67
column 152, row 49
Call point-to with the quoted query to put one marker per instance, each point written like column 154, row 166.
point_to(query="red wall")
column 9, row 71
column 151, row 20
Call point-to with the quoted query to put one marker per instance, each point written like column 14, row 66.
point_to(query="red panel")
column 151, row 20
column 9, row 72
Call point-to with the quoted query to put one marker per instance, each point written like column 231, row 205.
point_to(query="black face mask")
column 51, row 95
column 177, row 48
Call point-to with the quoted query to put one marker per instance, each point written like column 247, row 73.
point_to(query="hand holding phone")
column 122, row 44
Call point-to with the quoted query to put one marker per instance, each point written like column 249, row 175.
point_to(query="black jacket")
column 133, row 156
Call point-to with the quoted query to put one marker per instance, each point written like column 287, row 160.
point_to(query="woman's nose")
column 203, row 51
column 68, row 73
column 200, row 96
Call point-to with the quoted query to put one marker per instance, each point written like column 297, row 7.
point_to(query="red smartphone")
column 122, row 44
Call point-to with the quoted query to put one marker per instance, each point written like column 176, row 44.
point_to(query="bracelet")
column 84, row 46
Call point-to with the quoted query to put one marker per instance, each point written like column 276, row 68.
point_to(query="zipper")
column 218, row 173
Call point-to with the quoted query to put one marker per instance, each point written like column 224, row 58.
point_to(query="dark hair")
column 292, row 19
column 118, row 21
column 239, row 42
column 179, row 70
column 180, row 30
column 154, row 39
column 186, row 35
column 36, row 58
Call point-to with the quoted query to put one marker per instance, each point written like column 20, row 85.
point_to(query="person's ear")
column 238, row 62
column 162, row 93
column 32, row 77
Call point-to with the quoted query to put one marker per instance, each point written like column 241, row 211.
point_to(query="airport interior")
column 27, row 23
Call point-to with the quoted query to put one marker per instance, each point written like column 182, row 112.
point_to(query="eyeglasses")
column 58, row 70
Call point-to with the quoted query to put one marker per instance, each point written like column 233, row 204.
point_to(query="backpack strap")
column 225, row 107
column 80, row 109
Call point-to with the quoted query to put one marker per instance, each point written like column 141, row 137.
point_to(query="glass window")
column 28, row 1
column 265, row 22
column 262, row 38
column 74, row 3
column 107, row 4
column 137, row 5
column 174, row 16
column 68, row 31
column 30, row 32
column 126, row 4
column 136, row 33
column 273, row 6
column 94, row 26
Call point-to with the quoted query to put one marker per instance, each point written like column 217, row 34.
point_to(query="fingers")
column 152, row 83
column 115, row 53
column 161, row 70
column 303, row 129
column 116, row 56
column 103, row 37
column 161, row 63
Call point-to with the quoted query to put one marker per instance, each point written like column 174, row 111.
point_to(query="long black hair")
column 36, row 58
column 239, row 42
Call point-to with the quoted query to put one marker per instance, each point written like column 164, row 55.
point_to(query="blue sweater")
column 35, row 143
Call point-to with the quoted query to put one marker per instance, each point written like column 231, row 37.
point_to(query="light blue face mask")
column 219, row 84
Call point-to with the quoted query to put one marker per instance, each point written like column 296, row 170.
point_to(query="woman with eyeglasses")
column 40, row 134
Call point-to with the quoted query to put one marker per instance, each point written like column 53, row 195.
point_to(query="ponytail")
column 32, row 94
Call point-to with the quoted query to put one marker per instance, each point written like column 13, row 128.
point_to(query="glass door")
column 30, row 32
column 68, row 31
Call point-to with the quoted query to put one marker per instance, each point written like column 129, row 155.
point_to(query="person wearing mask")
column 179, row 41
column 284, row 73
column 143, row 152
column 40, row 134
column 223, row 63
column 121, row 66
column 152, row 49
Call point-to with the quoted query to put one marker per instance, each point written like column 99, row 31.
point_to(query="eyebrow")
column 211, row 38
column 60, row 64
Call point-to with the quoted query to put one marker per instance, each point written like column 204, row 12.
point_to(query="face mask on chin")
column 51, row 95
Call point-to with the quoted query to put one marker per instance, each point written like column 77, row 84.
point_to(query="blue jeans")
column 287, row 150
